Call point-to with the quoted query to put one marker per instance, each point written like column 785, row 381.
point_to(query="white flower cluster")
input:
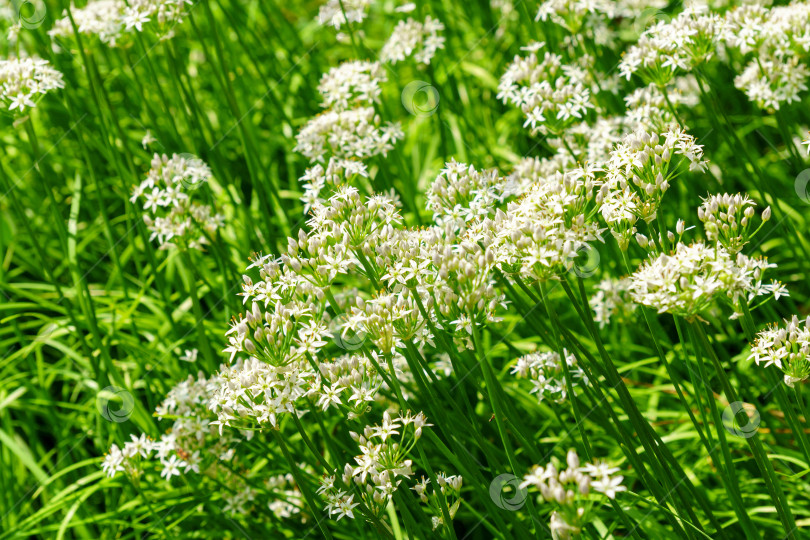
column 351, row 133
column 728, row 220
column 577, row 16
column 774, row 40
column 540, row 235
column 778, row 39
column 180, row 447
column 460, row 194
column 350, row 128
column 292, row 313
column 101, row 18
column 351, row 83
column 379, row 469
column 450, row 489
column 285, row 325
column 689, row 280
column 194, row 444
column 171, row 216
column 319, row 179
column 547, row 374
column 551, row 94
column 571, row 14
column 270, row 392
column 788, row 348
column 332, row 12
column 647, row 107
column 350, row 380
column 389, row 320
column 413, row 38
column 287, row 500
column 24, row 81
column 452, row 276
column 686, row 41
column 639, row 172
column 612, row 301
column 571, row 491
column 113, row 20
column 531, row 170
column 772, row 82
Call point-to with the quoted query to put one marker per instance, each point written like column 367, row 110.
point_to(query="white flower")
column 113, row 461
column 141, row 446
column 23, row 81
column 345, row 134
column 344, row 507
column 413, row 38
column 190, row 355
column 546, row 372
column 788, row 348
column 148, row 139
column 609, row 485
column 170, row 215
column 332, row 13
column 352, row 83
column 331, row 396
column 688, row 280
column 171, row 467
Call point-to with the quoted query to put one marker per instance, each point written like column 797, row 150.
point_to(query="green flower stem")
column 730, row 477
column 566, row 372
column 98, row 91
column 620, row 432
column 652, row 442
column 381, row 526
column 403, row 407
column 245, row 128
column 299, row 480
column 629, row 446
column 489, row 380
column 758, row 175
column 199, row 316
column 754, row 443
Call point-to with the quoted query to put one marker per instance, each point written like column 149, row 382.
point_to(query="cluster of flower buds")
column 571, row 491
column 352, row 83
column 450, row 490
column 728, row 220
column 546, row 372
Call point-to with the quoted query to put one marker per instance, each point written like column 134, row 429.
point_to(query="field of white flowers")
column 348, row 269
